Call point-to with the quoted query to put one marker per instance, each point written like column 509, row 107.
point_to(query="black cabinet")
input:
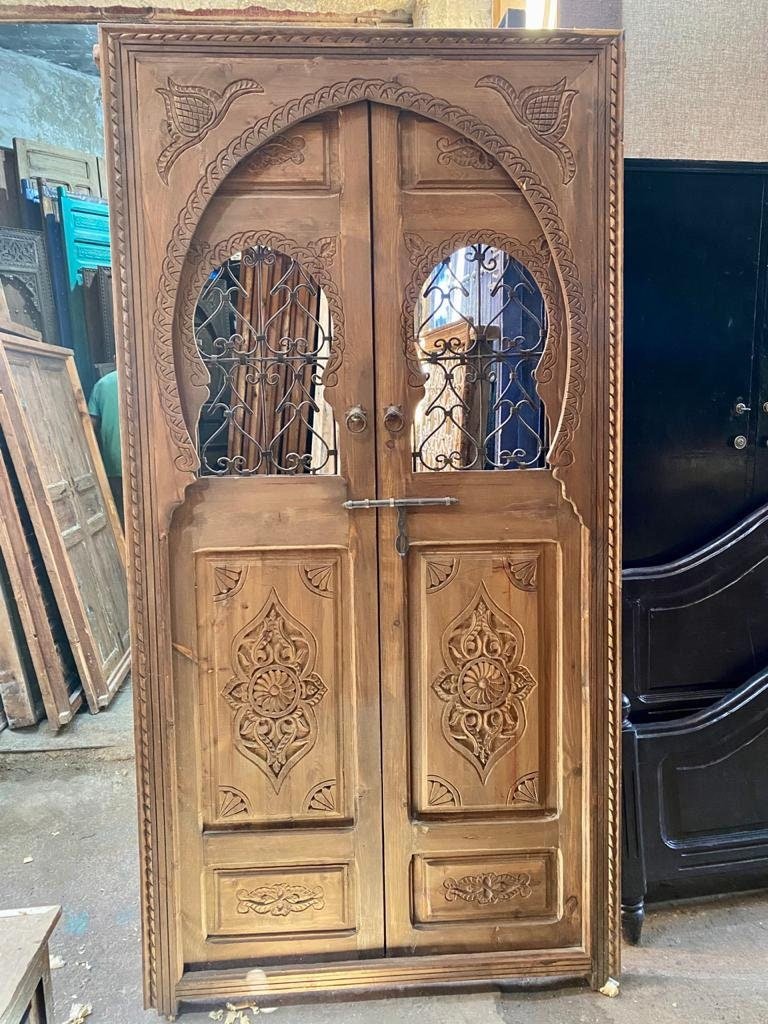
column 695, row 654
column 696, row 249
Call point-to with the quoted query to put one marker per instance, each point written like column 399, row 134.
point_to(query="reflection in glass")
column 263, row 330
column 480, row 333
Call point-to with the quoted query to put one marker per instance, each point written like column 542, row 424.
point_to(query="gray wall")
column 697, row 75
column 49, row 103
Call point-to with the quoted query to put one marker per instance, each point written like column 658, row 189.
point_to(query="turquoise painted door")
column 85, row 233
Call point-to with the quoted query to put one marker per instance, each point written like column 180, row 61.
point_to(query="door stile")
column 451, row 818
column 393, row 611
column 281, row 829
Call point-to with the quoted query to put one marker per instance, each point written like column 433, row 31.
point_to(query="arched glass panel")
column 481, row 327
column 264, row 332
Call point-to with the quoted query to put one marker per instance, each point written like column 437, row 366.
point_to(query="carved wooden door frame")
column 158, row 198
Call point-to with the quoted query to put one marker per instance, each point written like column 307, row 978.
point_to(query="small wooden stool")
column 25, row 978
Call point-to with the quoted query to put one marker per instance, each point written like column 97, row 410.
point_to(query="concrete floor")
column 71, row 807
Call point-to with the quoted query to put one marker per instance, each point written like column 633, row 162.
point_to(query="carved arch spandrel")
column 395, row 94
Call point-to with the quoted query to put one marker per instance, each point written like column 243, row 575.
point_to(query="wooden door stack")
column 64, row 610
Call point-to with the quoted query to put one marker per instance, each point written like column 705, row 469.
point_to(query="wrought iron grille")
column 480, row 332
column 263, row 330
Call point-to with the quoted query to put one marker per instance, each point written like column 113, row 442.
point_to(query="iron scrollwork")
column 264, row 333
column 481, row 328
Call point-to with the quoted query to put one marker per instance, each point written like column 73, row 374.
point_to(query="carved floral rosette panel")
column 274, row 686
column 484, row 722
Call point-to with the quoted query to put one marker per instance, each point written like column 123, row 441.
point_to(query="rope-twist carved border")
column 406, row 38
column 614, row 483
column 333, row 96
column 135, row 548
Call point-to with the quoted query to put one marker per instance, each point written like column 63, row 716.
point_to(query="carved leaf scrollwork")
column 488, row 888
column 280, row 899
column 276, row 152
column 463, row 153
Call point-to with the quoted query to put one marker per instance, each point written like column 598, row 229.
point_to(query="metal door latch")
column 402, row 505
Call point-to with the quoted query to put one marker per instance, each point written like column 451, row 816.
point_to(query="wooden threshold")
column 379, row 976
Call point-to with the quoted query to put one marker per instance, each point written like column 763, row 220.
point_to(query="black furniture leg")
column 633, row 862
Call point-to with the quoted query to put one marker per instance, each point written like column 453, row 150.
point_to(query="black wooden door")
column 695, row 260
column 695, row 531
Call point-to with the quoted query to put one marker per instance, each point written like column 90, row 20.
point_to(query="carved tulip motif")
column 191, row 112
column 483, row 685
column 545, row 110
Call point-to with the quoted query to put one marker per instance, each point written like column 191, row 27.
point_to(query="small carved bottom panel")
column 280, row 901
column 477, row 887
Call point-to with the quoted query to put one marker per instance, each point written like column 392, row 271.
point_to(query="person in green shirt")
column 104, row 409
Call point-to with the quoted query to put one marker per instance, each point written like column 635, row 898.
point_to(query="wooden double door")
column 374, row 511
column 383, row 740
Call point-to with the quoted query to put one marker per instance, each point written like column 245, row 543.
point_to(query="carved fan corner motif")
column 440, row 572
column 321, row 799
column 525, row 790
column 521, row 573
column 319, row 578
column 441, row 793
column 228, row 580
column 233, row 801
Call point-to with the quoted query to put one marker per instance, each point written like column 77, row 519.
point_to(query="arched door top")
column 332, row 97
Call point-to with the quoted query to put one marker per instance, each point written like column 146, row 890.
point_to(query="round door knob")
column 394, row 421
column 356, row 419
column 740, row 442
